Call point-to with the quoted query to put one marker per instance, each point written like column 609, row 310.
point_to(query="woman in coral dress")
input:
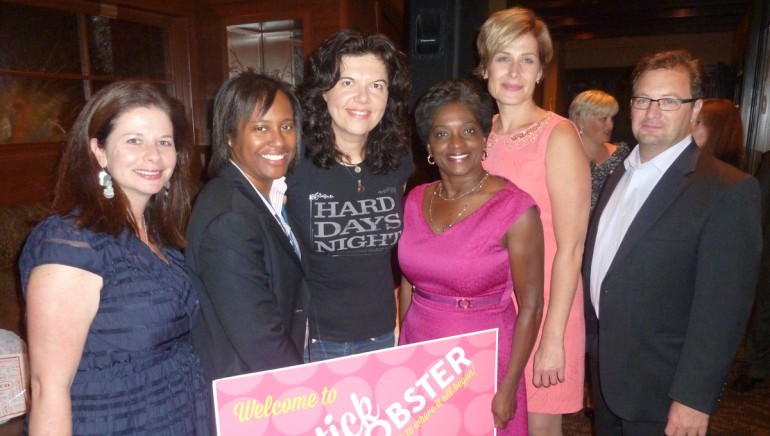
column 541, row 153
column 470, row 242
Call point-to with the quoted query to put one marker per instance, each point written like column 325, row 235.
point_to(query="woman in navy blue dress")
column 109, row 306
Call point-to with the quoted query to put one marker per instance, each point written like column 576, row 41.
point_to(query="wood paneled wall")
column 320, row 19
column 27, row 170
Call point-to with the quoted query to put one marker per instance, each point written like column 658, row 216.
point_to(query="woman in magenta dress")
column 541, row 153
column 470, row 242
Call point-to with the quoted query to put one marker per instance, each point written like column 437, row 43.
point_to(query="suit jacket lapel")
column 609, row 188
column 234, row 174
column 670, row 186
column 282, row 236
column 304, row 261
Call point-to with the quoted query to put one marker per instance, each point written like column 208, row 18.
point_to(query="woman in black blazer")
column 243, row 258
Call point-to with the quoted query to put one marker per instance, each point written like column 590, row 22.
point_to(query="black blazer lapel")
column 673, row 182
column 280, row 235
column 305, row 263
column 248, row 191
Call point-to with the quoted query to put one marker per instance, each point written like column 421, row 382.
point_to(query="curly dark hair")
column 460, row 91
column 388, row 142
column 77, row 188
column 234, row 103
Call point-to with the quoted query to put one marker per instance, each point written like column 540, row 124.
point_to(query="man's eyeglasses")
column 664, row 104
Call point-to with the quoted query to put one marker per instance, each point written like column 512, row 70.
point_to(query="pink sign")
column 441, row 387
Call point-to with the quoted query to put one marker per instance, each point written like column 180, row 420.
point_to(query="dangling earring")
column 485, row 155
column 166, row 187
column 105, row 181
column 430, row 160
column 537, row 82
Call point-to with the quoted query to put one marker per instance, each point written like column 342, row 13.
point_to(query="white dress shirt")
column 629, row 195
column 275, row 205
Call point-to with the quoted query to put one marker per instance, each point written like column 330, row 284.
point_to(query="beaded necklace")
column 523, row 138
column 462, row 211
column 441, row 190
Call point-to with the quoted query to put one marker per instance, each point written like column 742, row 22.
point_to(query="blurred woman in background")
column 719, row 131
column 592, row 112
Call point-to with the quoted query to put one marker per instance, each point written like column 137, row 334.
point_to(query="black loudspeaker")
column 442, row 40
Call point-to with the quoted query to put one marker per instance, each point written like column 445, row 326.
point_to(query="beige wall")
column 496, row 5
column 622, row 52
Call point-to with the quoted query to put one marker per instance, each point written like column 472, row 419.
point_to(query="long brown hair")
column 77, row 191
column 724, row 128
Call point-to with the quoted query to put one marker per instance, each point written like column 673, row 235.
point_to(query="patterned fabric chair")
column 15, row 224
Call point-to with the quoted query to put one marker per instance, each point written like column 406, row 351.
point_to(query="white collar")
column 662, row 161
column 277, row 191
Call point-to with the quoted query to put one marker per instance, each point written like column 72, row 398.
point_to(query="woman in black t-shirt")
column 347, row 191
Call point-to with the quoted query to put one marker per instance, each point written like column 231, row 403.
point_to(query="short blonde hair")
column 506, row 26
column 592, row 103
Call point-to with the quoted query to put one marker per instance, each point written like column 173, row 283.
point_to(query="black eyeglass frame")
column 681, row 101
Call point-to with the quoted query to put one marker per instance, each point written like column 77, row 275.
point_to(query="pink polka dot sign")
column 440, row 387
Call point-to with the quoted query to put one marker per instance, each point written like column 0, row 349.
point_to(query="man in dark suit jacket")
column 671, row 260
column 757, row 357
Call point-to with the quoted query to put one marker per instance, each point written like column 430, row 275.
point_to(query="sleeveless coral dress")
column 464, row 261
column 521, row 159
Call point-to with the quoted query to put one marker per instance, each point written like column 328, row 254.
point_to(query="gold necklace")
column 462, row 211
column 472, row 190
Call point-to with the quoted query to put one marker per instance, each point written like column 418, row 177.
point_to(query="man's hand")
column 686, row 421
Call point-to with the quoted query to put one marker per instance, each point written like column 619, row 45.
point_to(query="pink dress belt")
column 459, row 302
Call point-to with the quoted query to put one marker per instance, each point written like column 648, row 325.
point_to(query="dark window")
column 52, row 61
